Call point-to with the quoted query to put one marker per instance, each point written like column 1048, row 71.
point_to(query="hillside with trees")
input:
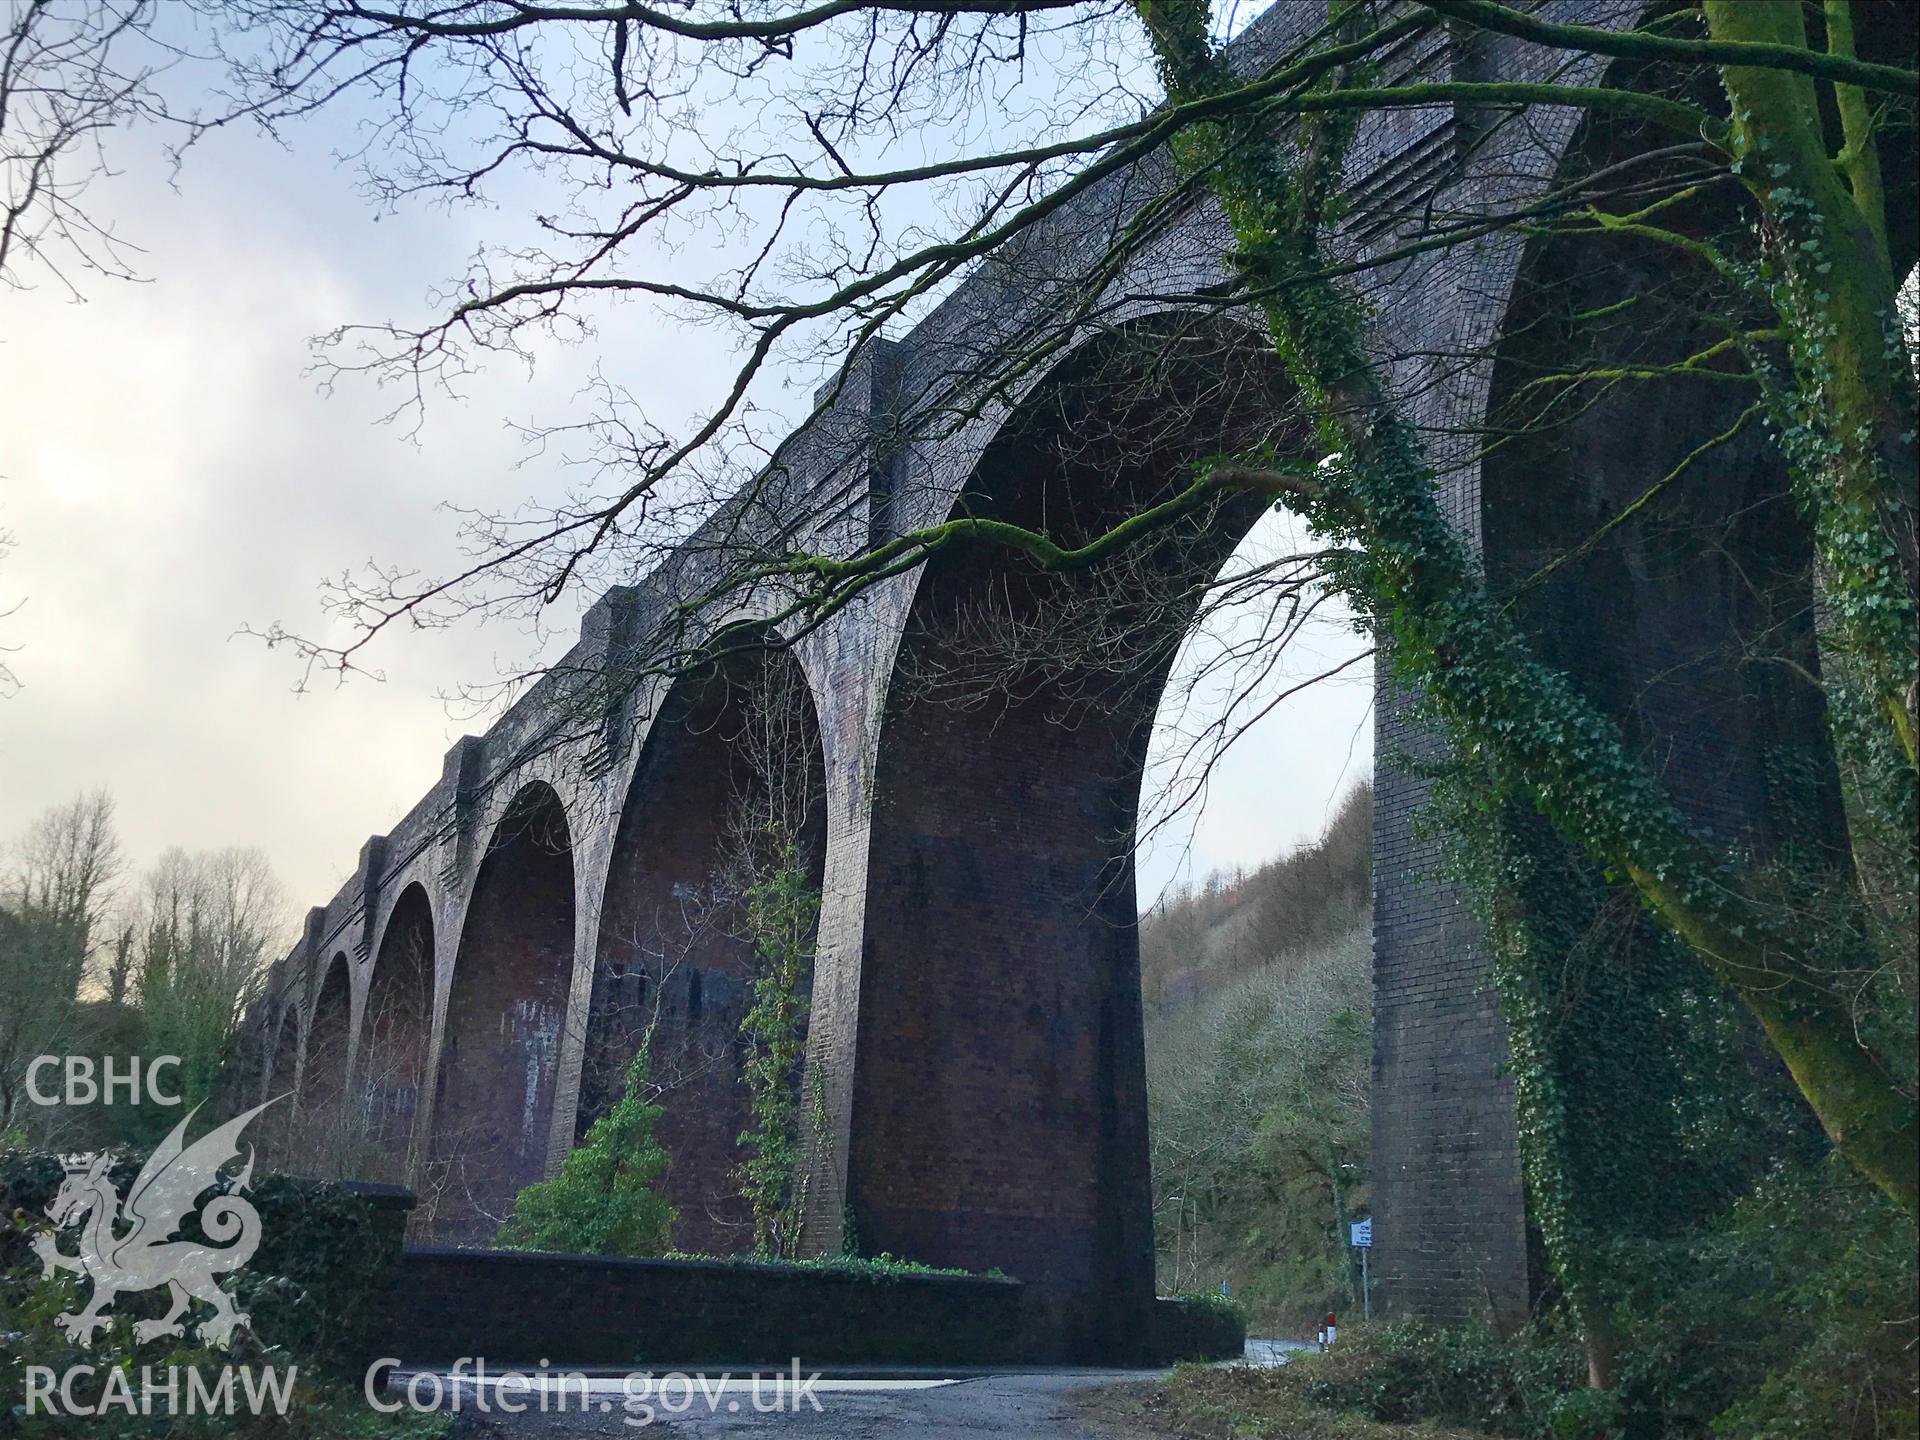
column 1259, row 1040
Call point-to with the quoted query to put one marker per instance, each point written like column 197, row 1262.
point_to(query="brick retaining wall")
column 519, row 1308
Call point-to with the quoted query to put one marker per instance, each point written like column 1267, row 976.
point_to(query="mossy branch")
column 1676, row 115
column 1640, row 45
column 1859, row 159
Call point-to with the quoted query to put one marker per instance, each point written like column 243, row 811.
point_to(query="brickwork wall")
column 674, row 948
column 508, row 1308
column 579, row 1311
column 392, row 1070
column 323, row 1081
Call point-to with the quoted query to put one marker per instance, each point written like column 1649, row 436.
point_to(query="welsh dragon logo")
column 135, row 1245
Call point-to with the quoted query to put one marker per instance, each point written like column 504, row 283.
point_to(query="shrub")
column 1792, row 1316
column 1405, row 1371
column 323, row 1261
column 604, row 1200
column 1197, row 1327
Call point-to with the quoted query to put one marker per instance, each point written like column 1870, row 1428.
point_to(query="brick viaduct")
column 976, row 1015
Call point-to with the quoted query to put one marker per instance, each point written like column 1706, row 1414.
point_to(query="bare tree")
column 846, row 166
column 56, row 891
column 209, row 925
column 71, row 71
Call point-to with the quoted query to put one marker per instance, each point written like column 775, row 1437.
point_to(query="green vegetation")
column 783, row 912
column 309, row 1290
column 876, row 1267
column 1259, row 1055
column 604, row 1201
column 1712, row 1032
column 1410, row 573
column 1255, row 1404
column 91, row 964
column 1791, row 1317
column 1774, row 933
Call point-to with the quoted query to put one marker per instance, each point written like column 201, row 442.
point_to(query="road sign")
column 1363, row 1242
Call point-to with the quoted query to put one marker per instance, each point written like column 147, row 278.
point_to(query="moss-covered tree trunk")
column 1414, row 577
column 1823, row 224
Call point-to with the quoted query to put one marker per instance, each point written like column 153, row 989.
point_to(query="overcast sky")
column 170, row 474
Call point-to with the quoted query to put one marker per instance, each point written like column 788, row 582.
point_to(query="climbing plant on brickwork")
column 783, row 909
column 1533, row 733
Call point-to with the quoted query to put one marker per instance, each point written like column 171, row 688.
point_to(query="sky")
column 172, row 472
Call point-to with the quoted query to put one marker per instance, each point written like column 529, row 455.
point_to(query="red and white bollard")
column 1325, row 1334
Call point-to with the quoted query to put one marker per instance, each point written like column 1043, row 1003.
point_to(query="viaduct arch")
column 504, row 1018
column 975, row 1030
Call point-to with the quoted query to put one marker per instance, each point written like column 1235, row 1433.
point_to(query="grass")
column 873, row 1266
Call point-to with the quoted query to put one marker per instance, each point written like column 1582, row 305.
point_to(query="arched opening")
column 1645, row 533
column 999, row 1112
column 1254, row 875
column 323, row 1083
column 394, row 1033
column 282, row 1072
column 505, row 1011
column 1637, row 522
column 727, row 795
column 283, row 1063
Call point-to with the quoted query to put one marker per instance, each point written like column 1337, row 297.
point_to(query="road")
column 1049, row 1406
column 1043, row 1405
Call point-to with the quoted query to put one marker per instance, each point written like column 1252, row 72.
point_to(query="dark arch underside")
column 734, row 749
column 394, row 1034
column 505, row 1016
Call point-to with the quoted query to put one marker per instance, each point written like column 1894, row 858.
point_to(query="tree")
column 62, row 882
column 70, row 72
column 1372, row 501
column 207, row 926
column 1258, row 1077
column 55, row 896
column 605, row 1199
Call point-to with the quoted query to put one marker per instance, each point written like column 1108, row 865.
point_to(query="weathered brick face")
column 1001, row 1112
column 1449, row 1212
column 1000, row 1115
